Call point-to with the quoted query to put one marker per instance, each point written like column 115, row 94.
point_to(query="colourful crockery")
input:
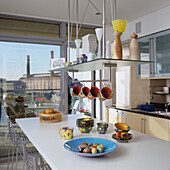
column 81, row 95
column 122, row 135
column 67, row 133
column 85, row 91
column 102, row 127
column 76, row 90
column 122, row 127
column 107, row 93
column 85, row 129
column 95, row 92
column 85, row 125
column 125, row 140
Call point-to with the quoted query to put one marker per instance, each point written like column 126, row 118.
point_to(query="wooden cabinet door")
column 135, row 121
column 157, row 127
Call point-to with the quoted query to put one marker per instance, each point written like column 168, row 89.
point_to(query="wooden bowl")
column 50, row 118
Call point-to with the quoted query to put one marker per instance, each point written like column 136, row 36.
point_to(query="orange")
column 48, row 111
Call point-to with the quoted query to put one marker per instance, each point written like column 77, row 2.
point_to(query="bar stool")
column 24, row 150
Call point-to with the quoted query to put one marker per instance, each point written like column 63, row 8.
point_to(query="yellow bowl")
column 122, row 127
column 119, row 25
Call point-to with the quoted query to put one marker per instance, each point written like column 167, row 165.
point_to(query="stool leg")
column 16, row 159
column 12, row 157
column 9, row 154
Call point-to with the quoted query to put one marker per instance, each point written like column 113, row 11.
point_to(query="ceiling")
column 57, row 9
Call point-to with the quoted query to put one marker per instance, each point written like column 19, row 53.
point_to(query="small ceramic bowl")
column 85, row 129
column 122, row 127
column 85, row 121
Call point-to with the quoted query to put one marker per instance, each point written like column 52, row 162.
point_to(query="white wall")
column 154, row 22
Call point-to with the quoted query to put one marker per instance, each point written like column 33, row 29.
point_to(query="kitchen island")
column 143, row 152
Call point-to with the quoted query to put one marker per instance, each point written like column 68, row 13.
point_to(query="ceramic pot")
column 95, row 92
column 102, row 128
column 76, row 91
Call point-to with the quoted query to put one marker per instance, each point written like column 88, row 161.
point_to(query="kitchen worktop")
column 138, row 111
column 143, row 152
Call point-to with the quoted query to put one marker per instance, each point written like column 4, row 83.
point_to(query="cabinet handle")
column 144, row 120
column 141, row 129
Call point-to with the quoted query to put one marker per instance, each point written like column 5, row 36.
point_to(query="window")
column 24, row 71
column 24, row 27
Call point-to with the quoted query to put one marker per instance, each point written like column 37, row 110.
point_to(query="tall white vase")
column 78, row 44
column 99, row 34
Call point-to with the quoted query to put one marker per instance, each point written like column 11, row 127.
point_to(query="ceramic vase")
column 134, row 49
column 99, row 34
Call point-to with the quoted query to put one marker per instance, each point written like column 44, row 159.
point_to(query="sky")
column 13, row 58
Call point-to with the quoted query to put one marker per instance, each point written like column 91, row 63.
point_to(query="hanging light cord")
column 72, row 22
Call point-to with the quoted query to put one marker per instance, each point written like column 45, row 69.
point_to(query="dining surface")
column 143, row 152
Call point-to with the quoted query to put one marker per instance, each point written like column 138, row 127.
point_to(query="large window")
column 24, row 71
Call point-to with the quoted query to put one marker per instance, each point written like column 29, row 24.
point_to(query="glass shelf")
column 99, row 64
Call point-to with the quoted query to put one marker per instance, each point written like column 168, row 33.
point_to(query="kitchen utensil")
column 147, row 107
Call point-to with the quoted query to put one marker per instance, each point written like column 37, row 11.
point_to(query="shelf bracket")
column 109, row 65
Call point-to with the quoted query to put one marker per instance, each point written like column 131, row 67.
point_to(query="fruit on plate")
column 86, row 150
column 52, row 110
column 48, row 111
column 90, row 148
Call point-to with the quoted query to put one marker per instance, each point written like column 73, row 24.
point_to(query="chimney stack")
column 51, row 57
column 28, row 66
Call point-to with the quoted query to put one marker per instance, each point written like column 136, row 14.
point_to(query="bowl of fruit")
column 50, row 116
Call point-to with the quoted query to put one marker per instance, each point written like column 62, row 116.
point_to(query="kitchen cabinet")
column 135, row 121
column 157, row 127
column 153, row 126
column 155, row 47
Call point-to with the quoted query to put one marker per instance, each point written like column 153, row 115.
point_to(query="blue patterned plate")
column 72, row 145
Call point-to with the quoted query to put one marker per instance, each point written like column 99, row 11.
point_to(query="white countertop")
column 142, row 153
